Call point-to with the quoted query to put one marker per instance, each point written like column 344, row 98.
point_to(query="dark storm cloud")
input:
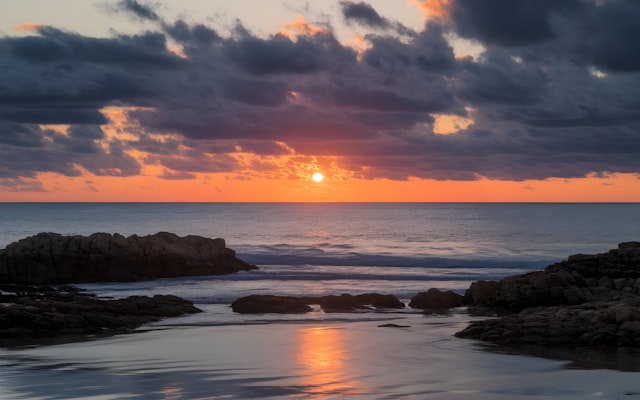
column 54, row 45
column 28, row 149
column 507, row 22
column 39, row 116
column 195, row 35
column 428, row 51
column 255, row 92
column 602, row 33
column 556, row 93
column 276, row 55
column 610, row 34
column 364, row 14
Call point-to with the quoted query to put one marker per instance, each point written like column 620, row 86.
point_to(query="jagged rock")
column 330, row 303
column 581, row 278
column 50, row 258
column 587, row 300
column 47, row 312
column 608, row 324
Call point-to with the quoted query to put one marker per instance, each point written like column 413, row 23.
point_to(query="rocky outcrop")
column 611, row 324
column 40, row 312
column 331, row 303
column 580, row 279
column 50, row 258
column 587, row 300
column 434, row 299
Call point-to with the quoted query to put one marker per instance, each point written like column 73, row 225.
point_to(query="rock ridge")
column 586, row 300
column 52, row 258
column 46, row 312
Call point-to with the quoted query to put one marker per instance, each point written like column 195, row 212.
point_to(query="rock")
column 570, row 326
column 260, row 304
column 329, row 303
column 587, row 300
column 434, row 298
column 581, row 278
column 50, row 258
column 347, row 302
column 47, row 312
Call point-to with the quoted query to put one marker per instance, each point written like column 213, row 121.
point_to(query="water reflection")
column 327, row 367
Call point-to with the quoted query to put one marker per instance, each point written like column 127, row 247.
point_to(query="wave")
column 345, row 255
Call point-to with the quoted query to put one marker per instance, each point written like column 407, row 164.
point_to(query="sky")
column 391, row 100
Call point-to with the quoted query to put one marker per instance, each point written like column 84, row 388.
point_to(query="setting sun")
column 317, row 177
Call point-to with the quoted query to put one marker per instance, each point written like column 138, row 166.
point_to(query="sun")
column 317, row 177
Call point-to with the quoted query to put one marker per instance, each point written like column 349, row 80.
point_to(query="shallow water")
column 298, row 359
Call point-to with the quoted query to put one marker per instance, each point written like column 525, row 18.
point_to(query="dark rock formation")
column 50, row 258
column 599, row 324
column 330, row 303
column 46, row 312
column 260, row 304
column 393, row 326
column 347, row 302
column 587, row 300
column 579, row 279
column 434, row 298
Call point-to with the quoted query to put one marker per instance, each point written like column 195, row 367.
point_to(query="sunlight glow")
column 324, row 358
column 317, row 177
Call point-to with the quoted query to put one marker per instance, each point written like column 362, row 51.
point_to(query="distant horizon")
column 334, row 101
column 320, row 202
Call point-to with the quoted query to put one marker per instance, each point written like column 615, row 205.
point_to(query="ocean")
column 319, row 249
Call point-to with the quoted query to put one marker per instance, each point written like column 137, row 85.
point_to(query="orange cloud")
column 28, row 27
column 301, row 27
column 439, row 9
column 447, row 124
column 360, row 45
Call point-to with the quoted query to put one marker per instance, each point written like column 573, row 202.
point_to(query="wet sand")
column 183, row 359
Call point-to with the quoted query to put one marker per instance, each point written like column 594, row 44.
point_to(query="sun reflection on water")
column 326, row 363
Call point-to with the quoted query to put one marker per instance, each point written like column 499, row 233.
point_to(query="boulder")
column 51, row 258
column 434, row 298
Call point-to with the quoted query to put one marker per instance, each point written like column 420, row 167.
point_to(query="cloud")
column 509, row 23
column 538, row 108
column 139, row 9
column 364, row 14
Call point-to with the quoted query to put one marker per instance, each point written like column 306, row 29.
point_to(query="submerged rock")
column 261, row 304
column 330, row 303
column 51, row 258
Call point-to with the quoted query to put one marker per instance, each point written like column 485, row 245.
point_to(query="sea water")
column 332, row 248
column 319, row 249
